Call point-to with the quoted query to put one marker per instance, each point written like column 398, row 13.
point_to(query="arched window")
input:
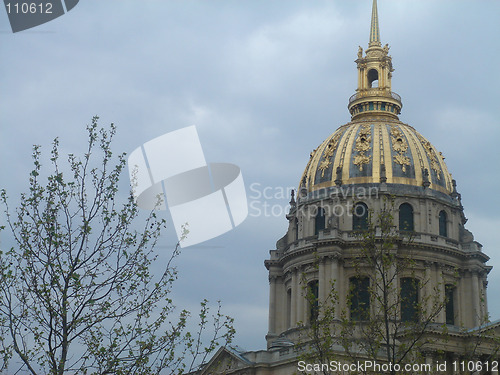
column 409, row 299
column 373, row 78
column 312, row 297
column 319, row 220
column 406, row 217
column 443, row 218
column 450, row 304
column 360, row 217
column 359, row 297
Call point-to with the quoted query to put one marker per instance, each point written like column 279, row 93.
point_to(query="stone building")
column 374, row 164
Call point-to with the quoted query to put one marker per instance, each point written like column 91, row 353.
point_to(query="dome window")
column 409, row 299
column 312, row 296
column 450, row 304
column 406, row 218
column 360, row 217
column 319, row 221
column 443, row 219
column 359, row 298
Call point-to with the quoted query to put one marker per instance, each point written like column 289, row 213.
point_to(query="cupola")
column 374, row 95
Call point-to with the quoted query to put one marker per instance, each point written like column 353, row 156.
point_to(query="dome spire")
column 374, row 30
column 374, row 95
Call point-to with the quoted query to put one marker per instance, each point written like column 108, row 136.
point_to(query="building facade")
column 376, row 211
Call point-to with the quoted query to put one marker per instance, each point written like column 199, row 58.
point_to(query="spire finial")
column 374, row 30
column 374, row 94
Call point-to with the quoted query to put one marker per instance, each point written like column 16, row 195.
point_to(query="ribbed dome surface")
column 358, row 153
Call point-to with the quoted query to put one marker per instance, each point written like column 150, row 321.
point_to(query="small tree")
column 78, row 294
column 319, row 335
column 373, row 326
column 393, row 325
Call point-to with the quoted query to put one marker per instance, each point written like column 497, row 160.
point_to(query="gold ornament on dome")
column 400, row 146
column 363, row 145
column 432, row 156
column 328, row 154
column 360, row 160
column 323, row 166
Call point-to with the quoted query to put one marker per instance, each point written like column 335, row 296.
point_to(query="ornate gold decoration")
column 363, row 144
column 328, row 154
column 429, row 150
column 343, row 146
column 399, row 145
column 323, row 166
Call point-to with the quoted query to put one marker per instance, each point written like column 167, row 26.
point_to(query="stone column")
column 442, row 296
column 287, row 307
column 482, row 297
column 436, row 289
column 360, row 83
column 339, row 285
column 334, row 278
column 322, row 282
column 328, row 279
column 429, row 295
column 272, row 304
column 300, row 298
column 393, row 298
column 475, row 299
column 462, row 312
column 485, row 296
column 381, row 78
column 295, row 287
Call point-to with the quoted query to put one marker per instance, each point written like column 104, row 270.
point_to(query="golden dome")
column 375, row 150
column 375, row 147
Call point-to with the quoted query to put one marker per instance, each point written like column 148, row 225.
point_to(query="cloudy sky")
column 264, row 82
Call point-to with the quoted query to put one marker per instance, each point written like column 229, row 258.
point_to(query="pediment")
column 226, row 361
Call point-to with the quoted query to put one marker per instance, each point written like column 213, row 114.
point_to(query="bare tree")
column 319, row 336
column 78, row 294
column 384, row 321
column 391, row 321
